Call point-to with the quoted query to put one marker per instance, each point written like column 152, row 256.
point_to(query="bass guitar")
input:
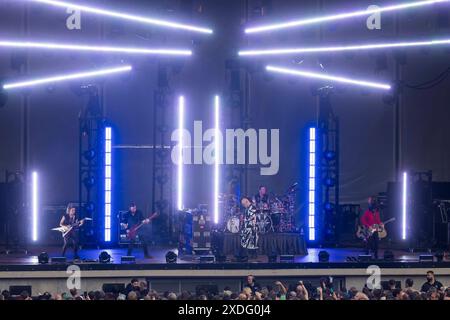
column 132, row 232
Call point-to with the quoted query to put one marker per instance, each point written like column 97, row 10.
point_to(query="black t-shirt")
column 68, row 221
column 254, row 286
column 427, row 286
column 263, row 199
column 130, row 288
column 133, row 220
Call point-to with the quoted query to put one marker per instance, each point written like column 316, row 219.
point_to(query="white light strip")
column 115, row 14
column 302, row 22
column 216, row 159
column 59, row 78
column 327, row 77
column 108, row 183
column 180, row 205
column 404, row 204
column 288, row 51
column 91, row 48
column 312, row 185
column 34, row 206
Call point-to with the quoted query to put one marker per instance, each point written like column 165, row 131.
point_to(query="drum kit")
column 276, row 215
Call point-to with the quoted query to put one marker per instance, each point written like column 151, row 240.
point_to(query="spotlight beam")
column 92, row 48
column 66, row 77
column 309, row 74
column 341, row 16
column 216, row 159
column 125, row 16
column 288, row 51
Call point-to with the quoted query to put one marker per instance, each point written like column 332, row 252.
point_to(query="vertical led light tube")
column 216, row 158
column 180, row 204
column 312, row 185
column 34, row 206
column 108, row 183
column 404, row 204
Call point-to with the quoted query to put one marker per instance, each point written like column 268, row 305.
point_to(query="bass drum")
column 233, row 225
column 264, row 223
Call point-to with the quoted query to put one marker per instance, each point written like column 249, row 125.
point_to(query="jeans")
column 372, row 245
column 71, row 240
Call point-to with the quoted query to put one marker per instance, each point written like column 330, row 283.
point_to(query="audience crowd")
column 431, row 289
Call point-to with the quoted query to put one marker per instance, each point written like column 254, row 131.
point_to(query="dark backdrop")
column 275, row 101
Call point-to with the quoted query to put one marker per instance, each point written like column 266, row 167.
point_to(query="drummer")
column 261, row 199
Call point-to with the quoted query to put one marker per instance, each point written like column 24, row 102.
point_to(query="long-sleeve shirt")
column 369, row 218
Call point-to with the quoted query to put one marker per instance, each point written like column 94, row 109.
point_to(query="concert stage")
column 189, row 272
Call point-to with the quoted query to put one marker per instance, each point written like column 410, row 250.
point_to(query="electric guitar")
column 365, row 233
column 67, row 230
column 132, row 232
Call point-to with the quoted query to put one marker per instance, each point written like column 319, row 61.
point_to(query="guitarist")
column 70, row 220
column 132, row 220
column 370, row 218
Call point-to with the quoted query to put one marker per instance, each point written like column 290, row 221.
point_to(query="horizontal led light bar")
column 105, row 49
column 115, row 14
column 327, row 77
column 288, row 51
column 65, row 77
column 302, row 22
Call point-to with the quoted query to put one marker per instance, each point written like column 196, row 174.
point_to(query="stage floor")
column 188, row 272
column 338, row 256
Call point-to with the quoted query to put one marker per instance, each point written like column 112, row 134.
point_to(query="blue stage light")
column 108, row 184
column 312, row 185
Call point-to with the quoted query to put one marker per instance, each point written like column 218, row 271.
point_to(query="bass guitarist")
column 369, row 219
column 132, row 221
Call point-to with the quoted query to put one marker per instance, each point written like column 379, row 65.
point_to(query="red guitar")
column 132, row 232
